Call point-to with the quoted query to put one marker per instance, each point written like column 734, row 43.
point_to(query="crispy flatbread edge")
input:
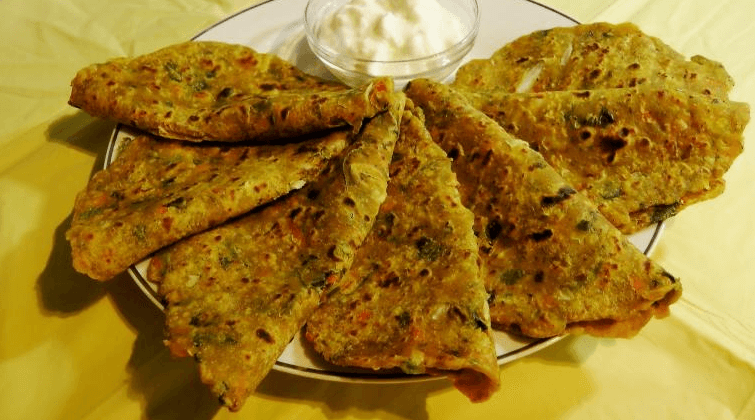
column 374, row 96
column 476, row 385
column 612, row 328
column 630, row 327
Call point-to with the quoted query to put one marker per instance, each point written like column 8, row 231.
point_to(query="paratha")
column 592, row 56
column 157, row 192
column 206, row 90
column 640, row 154
column 551, row 262
column 236, row 295
column 413, row 298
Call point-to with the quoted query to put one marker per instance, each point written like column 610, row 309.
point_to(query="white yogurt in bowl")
column 358, row 39
column 388, row 30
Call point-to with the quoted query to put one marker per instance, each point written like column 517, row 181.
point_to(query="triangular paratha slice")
column 206, row 90
column 552, row 263
column 157, row 192
column 236, row 295
column 591, row 56
column 415, row 299
column 640, row 154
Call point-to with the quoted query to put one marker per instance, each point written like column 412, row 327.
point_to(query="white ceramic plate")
column 277, row 26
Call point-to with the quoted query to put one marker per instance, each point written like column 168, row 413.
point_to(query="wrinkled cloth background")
column 74, row 348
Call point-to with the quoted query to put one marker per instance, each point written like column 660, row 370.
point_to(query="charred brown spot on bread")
column 455, row 313
column 541, row 236
column 562, row 194
column 584, row 225
column 265, row 336
column 493, row 229
column 539, row 276
column 224, row 93
column 404, row 319
column 391, row 280
column 293, row 213
column 609, row 145
column 479, row 323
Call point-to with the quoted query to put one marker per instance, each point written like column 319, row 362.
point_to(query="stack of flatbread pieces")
column 551, row 262
column 158, row 192
column 414, row 298
column 236, row 295
column 400, row 228
column 251, row 222
column 624, row 118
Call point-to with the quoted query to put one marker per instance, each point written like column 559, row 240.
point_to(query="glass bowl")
column 354, row 70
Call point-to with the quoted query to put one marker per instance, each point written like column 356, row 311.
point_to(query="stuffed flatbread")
column 592, row 56
column 413, row 298
column 551, row 262
column 236, row 295
column 206, row 90
column 640, row 154
column 156, row 192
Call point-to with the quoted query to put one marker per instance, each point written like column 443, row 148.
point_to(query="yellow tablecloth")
column 74, row 348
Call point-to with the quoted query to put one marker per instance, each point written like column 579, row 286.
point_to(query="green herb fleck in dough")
column 173, row 74
column 428, row 249
column 584, row 225
column 90, row 213
column 225, row 261
column 510, row 277
column 663, row 212
column 199, row 85
column 404, row 319
column 140, row 232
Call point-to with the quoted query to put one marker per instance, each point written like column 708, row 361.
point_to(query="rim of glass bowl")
column 330, row 54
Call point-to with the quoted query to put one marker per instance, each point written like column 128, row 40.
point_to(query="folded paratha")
column 592, row 56
column 413, row 298
column 223, row 92
column 640, row 154
column 551, row 262
column 157, row 192
column 236, row 295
